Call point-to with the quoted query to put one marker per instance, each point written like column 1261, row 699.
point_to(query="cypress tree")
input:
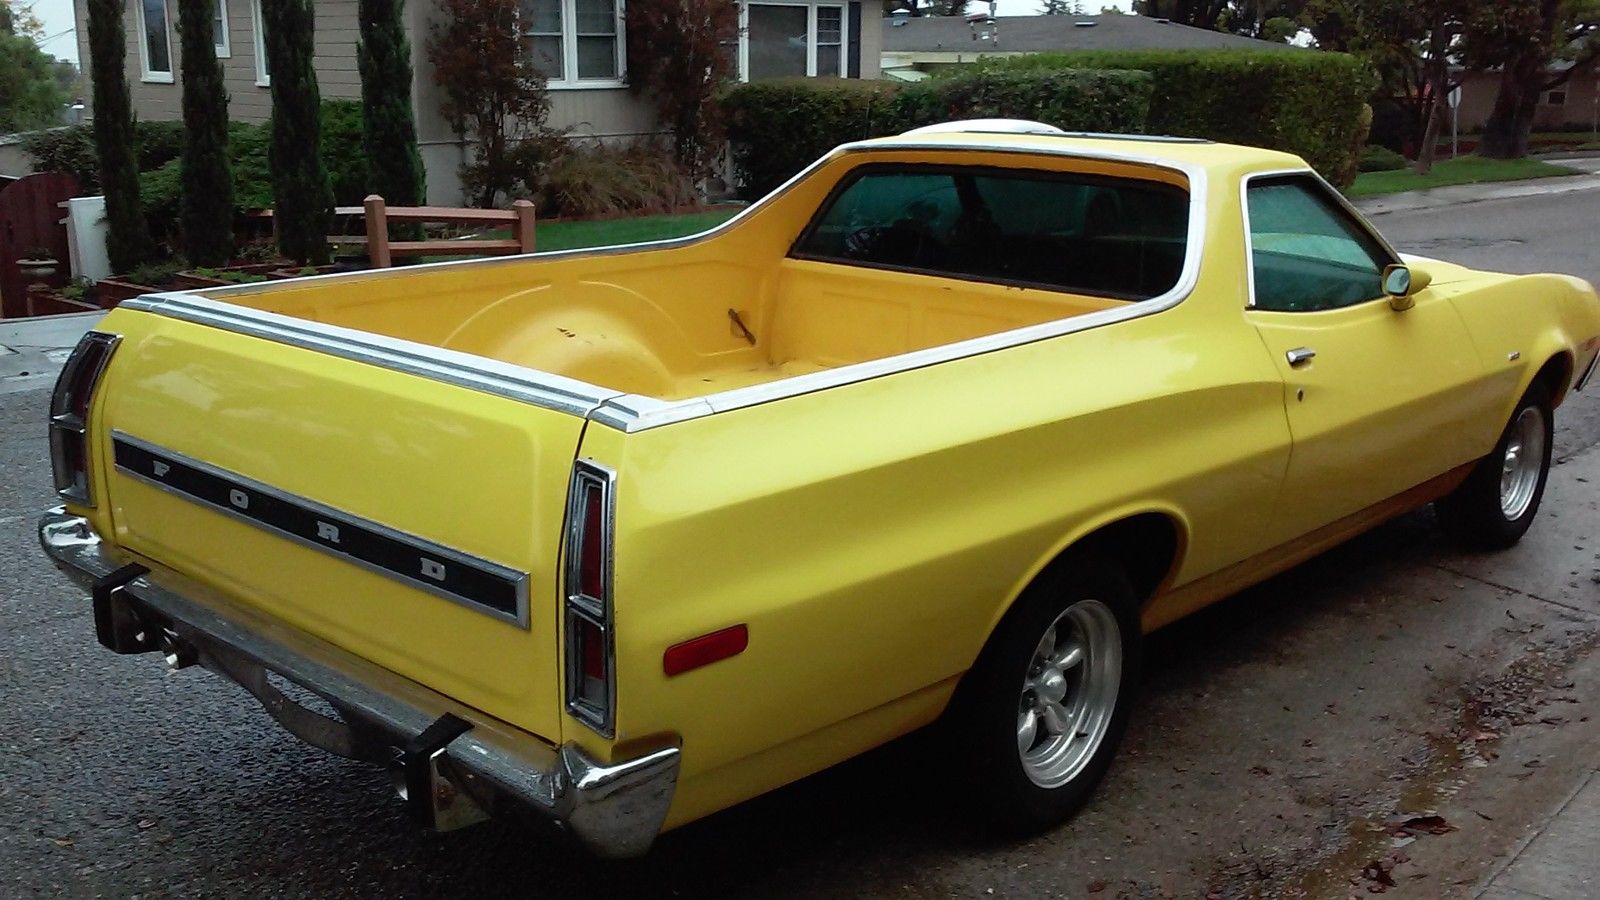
column 301, row 192
column 207, row 215
column 388, row 128
column 115, row 142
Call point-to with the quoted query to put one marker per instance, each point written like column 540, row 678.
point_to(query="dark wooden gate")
column 30, row 220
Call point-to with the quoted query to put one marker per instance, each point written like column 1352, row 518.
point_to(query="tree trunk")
column 1437, row 75
column 1505, row 132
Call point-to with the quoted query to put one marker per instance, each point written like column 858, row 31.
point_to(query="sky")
column 60, row 41
column 58, row 26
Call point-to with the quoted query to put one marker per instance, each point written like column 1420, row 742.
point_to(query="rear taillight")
column 591, row 669
column 69, row 415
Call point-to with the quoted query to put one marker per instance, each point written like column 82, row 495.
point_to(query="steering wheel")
column 906, row 242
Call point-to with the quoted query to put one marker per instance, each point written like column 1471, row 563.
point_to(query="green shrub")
column 69, row 150
column 1302, row 102
column 342, row 152
column 159, row 142
column 161, row 199
column 604, row 180
column 252, row 179
column 779, row 127
column 1380, row 159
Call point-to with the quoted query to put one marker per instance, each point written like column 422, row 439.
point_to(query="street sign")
column 1455, row 96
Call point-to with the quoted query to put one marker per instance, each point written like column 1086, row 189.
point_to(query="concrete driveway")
column 1292, row 741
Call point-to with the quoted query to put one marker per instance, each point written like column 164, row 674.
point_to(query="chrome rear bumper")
column 455, row 761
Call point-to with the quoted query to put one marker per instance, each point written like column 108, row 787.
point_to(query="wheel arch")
column 1148, row 542
column 1557, row 373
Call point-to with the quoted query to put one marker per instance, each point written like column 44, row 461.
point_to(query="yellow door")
column 1378, row 401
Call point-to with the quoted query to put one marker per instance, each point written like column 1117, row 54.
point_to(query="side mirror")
column 1402, row 284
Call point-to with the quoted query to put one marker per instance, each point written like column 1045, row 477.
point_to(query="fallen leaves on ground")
column 1419, row 825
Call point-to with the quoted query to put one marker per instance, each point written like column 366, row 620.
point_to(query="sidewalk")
column 1455, row 195
column 1558, row 862
column 33, row 350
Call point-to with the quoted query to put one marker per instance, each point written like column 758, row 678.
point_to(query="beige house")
column 1575, row 104
column 912, row 49
column 579, row 43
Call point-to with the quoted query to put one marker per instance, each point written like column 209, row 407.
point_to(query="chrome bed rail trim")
column 631, row 413
column 615, row 809
column 479, row 373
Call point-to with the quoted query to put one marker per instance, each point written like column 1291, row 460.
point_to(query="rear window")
column 1085, row 234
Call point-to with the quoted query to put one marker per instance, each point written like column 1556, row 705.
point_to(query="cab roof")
column 1177, row 151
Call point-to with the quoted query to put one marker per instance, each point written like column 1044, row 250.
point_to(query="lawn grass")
column 558, row 235
column 1466, row 170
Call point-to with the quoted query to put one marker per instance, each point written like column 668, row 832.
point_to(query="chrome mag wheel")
column 1070, row 693
column 1522, row 463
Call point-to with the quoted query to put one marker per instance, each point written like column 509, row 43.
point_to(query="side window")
column 1307, row 254
column 1120, row 238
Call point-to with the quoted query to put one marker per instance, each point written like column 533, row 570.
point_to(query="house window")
column 574, row 43
column 263, row 68
column 155, row 46
column 1555, row 98
column 219, row 29
column 789, row 39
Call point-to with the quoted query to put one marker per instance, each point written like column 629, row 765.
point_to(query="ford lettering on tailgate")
column 452, row 574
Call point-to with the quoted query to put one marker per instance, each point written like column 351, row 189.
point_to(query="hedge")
column 71, row 149
column 1070, row 99
column 779, row 127
column 1309, row 103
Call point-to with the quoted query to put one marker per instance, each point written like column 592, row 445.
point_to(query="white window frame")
column 569, row 51
column 146, row 74
column 260, row 35
column 221, row 38
column 811, row 34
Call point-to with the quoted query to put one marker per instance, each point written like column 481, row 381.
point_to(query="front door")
column 1378, row 401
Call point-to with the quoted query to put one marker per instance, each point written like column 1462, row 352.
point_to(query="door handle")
column 1299, row 356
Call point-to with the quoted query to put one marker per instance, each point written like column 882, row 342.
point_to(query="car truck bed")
column 668, row 323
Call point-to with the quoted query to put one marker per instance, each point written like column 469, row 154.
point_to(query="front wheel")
column 1493, row 508
column 1043, row 710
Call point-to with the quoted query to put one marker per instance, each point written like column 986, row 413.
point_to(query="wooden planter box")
column 108, row 292
column 283, row 272
column 190, row 281
column 50, row 302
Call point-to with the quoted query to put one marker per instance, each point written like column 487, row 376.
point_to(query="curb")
column 1459, row 194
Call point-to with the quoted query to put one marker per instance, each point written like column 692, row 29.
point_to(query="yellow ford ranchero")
column 940, row 428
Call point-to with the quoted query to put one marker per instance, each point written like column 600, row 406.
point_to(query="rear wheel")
column 1493, row 508
column 1042, row 712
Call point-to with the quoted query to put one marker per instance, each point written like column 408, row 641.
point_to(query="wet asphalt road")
column 1273, row 727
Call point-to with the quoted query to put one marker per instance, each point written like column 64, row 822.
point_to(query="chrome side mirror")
column 1402, row 285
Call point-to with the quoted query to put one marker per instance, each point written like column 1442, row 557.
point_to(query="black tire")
column 1473, row 513
column 984, row 718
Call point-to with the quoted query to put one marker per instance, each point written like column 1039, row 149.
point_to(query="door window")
column 1306, row 252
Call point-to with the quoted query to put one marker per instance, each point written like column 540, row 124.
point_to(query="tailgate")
column 413, row 522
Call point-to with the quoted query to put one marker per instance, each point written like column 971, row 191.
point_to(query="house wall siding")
column 1478, row 91
column 871, row 41
column 601, row 114
column 334, row 61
